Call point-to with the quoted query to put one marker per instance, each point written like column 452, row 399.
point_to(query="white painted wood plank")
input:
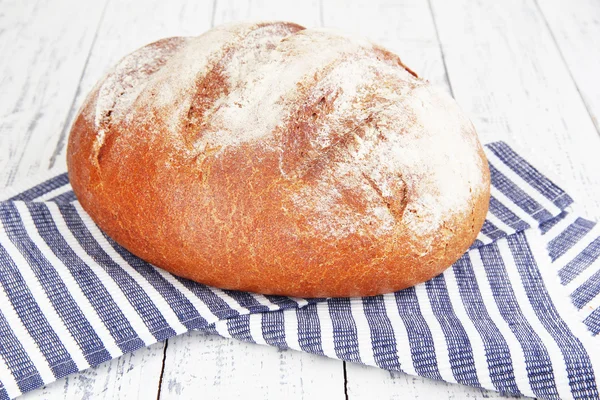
column 306, row 13
column 366, row 382
column 509, row 76
column 126, row 26
column 222, row 368
column 45, row 46
column 575, row 25
column 405, row 27
column 132, row 376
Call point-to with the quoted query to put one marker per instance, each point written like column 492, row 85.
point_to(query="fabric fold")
column 518, row 313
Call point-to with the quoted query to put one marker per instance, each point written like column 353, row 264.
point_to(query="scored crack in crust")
column 277, row 159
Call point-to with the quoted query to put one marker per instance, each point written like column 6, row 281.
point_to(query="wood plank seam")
column 66, row 126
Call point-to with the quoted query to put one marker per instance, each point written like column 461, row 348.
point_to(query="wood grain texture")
column 503, row 67
column 306, row 13
column 222, row 368
column 44, row 55
column 508, row 75
column 132, row 376
column 575, row 26
column 364, row 382
column 125, row 29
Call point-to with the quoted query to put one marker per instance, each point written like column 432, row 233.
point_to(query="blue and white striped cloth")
column 500, row 318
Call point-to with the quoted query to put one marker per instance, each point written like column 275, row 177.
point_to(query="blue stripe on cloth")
column 134, row 293
column 181, row 306
column 215, row 304
column 42, row 188
column 506, row 215
column 581, row 374
column 210, row 330
column 477, row 243
column 345, row 339
column 496, row 349
column 419, row 335
column 91, row 286
column 28, row 310
column 383, row 339
column 457, row 340
column 490, row 230
column 592, row 322
column 547, row 225
column 530, row 174
column 273, row 329
column 246, row 300
column 239, row 328
column 285, row 302
column 309, row 329
column 79, row 327
column 67, row 197
column 587, row 291
column 16, row 358
column 580, row 263
column 518, row 196
column 569, row 237
column 3, row 393
column 539, row 366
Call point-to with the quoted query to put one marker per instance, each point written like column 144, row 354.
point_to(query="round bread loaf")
column 280, row 160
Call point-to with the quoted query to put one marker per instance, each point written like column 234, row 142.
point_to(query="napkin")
column 518, row 313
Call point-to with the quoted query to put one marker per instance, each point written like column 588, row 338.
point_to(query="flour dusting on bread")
column 271, row 147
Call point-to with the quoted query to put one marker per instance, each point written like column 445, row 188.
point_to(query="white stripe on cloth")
column 42, row 300
column 290, row 325
column 400, row 334
column 265, row 302
column 591, row 306
column 230, row 301
column 74, row 290
column 514, row 346
column 327, row 343
column 301, row 302
column 363, row 332
column 439, row 338
column 157, row 299
column 556, row 357
column 522, row 183
column 8, row 380
column 198, row 304
column 565, row 309
column 221, row 328
column 53, row 193
column 561, row 226
column 508, row 203
column 256, row 333
column 477, row 345
column 113, row 289
column 500, row 224
column 483, row 238
column 30, row 346
column 572, row 253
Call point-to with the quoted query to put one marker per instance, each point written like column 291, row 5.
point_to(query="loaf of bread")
column 281, row 160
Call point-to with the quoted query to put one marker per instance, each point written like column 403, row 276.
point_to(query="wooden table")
column 525, row 71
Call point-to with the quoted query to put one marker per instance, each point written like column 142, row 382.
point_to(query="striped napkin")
column 500, row 318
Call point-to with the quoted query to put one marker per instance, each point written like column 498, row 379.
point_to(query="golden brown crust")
column 324, row 201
